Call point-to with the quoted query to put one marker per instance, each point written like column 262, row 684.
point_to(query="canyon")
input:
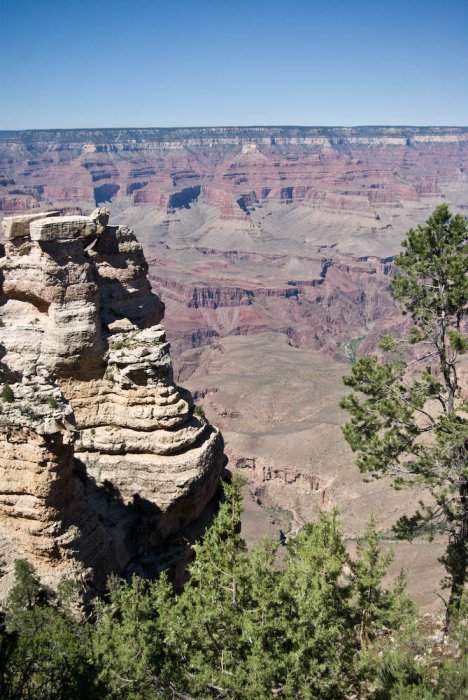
column 247, row 230
column 272, row 250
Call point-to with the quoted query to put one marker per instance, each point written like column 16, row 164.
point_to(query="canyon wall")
column 253, row 229
column 361, row 170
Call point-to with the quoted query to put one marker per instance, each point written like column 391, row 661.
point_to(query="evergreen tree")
column 206, row 629
column 6, row 649
column 408, row 418
column 48, row 649
column 321, row 629
column 129, row 642
column 377, row 608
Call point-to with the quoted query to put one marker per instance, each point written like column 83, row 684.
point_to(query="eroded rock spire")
column 102, row 456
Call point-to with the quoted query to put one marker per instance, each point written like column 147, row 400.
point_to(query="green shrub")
column 25, row 249
column 52, row 401
column 7, row 393
column 199, row 411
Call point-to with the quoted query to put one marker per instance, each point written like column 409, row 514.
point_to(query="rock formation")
column 103, row 458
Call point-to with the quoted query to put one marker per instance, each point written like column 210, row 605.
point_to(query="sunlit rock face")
column 102, row 456
column 44, row 513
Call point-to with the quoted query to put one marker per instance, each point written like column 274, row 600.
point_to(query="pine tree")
column 6, row 650
column 129, row 648
column 408, row 417
column 207, row 620
column 48, row 648
column 321, row 631
column 377, row 608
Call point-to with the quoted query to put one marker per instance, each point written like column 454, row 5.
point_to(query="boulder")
column 62, row 228
column 18, row 226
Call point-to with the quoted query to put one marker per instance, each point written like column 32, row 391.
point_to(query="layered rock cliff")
column 363, row 170
column 344, row 298
column 239, row 222
column 103, row 458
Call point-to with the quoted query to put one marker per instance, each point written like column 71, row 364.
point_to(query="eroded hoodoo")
column 103, row 462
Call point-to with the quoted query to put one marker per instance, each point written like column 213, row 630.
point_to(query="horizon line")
column 237, row 126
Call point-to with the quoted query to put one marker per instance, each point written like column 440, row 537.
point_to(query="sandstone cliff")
column 103, row 458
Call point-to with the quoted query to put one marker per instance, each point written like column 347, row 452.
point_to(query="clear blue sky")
column 109, row 63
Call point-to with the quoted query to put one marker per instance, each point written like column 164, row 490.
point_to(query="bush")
column 7, row 393
column 52, row 401
column 199, row 411
column 47, row 648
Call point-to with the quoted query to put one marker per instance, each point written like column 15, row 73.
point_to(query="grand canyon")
column 272, row 249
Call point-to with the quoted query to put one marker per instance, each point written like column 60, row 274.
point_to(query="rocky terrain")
column 104, row 465
column 272, row 250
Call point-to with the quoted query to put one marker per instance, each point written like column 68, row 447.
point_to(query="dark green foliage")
column 310, row 624
column 377, row 608
column 52, row 402
column 129, row 643
column 248, row 625
column 432, row 281
column 199, row 410
column 321, row 604
column 7, row 393
column 47, row 649
column 408, row 418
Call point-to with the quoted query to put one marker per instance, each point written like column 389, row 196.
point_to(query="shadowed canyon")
column 272, row 250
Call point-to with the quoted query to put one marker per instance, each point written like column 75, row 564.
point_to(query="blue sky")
column 187, row 63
